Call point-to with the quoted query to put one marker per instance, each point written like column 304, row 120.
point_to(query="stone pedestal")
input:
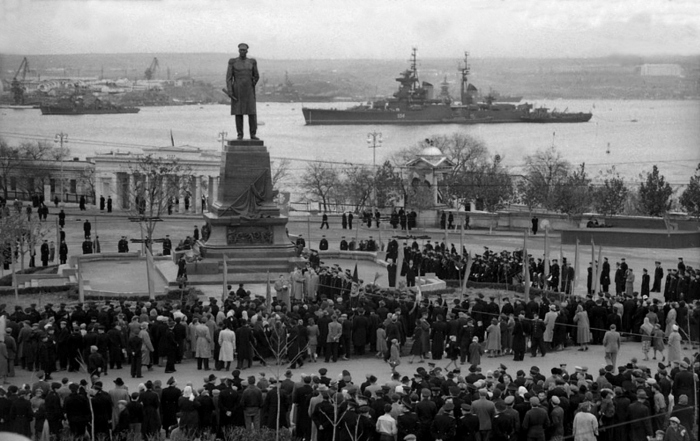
column 244, row 222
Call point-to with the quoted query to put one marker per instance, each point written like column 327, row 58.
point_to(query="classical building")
column 115, row 177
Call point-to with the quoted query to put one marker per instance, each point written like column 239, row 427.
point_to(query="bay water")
column 631, row 135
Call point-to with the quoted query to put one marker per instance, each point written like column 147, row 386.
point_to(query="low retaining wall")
column 630, row 238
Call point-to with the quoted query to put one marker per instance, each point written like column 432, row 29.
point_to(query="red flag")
column 354, row 275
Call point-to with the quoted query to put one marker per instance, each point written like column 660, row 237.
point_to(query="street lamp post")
column 374, row 140
column 222, row 138
column 62, row 138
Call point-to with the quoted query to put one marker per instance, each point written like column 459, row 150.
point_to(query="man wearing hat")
column 683, row 383
column 102, row 411
column 241, row 77
column 535, row 421
column 120, row 392
column 640, row 423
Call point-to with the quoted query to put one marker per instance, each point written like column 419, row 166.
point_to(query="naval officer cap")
column 243, row 46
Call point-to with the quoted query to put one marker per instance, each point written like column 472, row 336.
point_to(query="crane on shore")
column 17, row 86
column 151, row 70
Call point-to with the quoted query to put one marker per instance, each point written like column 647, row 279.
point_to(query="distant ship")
column 414, row 103
column 286, row 93
column 78, row 107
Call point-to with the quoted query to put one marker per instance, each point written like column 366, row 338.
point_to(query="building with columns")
column 115, row 177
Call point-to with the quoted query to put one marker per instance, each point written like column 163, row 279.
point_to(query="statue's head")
column 243, row 50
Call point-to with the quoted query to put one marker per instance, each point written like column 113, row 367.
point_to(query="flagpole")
column 224, row 287
column 594, row 285
column 461, row 236
column 81, row 291
column 575, row 281
column 268, row 294
column 546, row 251
column 526, row 266
column 599, row 267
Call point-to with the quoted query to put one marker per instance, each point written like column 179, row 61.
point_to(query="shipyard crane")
column 17, row 86
column 151, row 70
column 23, row 69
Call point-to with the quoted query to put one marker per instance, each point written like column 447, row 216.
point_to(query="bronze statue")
column 241, row 78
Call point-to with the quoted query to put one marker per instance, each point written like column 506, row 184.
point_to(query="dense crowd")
column 297, row 327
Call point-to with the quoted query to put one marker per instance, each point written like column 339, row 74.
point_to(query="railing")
column 24, row 195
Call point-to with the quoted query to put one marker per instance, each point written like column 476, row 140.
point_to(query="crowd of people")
column 343, row 322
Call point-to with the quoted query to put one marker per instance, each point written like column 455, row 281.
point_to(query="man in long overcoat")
column 241, row 77
column 244, row 345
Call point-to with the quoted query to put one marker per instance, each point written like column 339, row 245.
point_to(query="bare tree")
column 544, row 171
column 22, row 233
column 32, row 162
column 280, row 172
column 158, row 181
column 320, row 181
column 356, row 189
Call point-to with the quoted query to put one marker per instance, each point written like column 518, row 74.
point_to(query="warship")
column 79, row 107
column 415, row 103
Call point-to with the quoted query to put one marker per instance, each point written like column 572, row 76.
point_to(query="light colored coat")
column 583, row 327
column 203, row 348
column 674, row 347
column 612, row 342
column 227, row 341
column 146, row 347
column 550, row 320
column 585, row 427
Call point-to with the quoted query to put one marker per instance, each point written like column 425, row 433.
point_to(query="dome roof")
column 431, row 151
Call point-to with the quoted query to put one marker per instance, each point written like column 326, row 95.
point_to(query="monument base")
column 245, row 225
column 251, row 247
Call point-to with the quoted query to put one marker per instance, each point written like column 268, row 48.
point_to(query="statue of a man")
column 241, row 78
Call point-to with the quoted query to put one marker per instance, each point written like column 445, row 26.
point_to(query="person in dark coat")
column 244, row 345
column 360, row 331
column 640, row 423
column 102, row 409
column 135, row 409
column 151, row 411
column 444, row 426
column 77, row 409
column 205, row 409
column 301, row 397
column 519, row 343
column 169, row 347
column 21, row 414
column 87, row 228
column 169, row 404
column 102, row 203
column 536, row 421
column 109, row 204
column 61, row 219
column 229, row 407
column 167, row 245
column 123, row 426
column 54, row 410
column 63, row 253
column 269, row 408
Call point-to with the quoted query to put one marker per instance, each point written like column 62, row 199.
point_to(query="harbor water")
column 631, row 135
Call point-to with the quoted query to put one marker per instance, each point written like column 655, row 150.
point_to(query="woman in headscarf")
column 227, row 343
column 646, row 330
column 493, row 342
column 189, row 416
column 583, row 328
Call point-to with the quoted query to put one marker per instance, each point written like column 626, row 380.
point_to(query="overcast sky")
column 298, row 29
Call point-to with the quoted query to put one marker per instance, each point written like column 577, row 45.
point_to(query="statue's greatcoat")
column 241, row 77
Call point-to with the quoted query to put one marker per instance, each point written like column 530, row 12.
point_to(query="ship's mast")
column 464, row 70
column 414, row 68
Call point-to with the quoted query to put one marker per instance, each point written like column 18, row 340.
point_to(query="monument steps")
column 232, row 278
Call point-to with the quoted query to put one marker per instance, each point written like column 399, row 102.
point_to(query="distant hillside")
column 610, row 77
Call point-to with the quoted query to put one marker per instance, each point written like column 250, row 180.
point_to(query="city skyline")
column 352, row 30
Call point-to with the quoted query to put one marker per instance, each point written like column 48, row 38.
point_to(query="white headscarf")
column 187, row 393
